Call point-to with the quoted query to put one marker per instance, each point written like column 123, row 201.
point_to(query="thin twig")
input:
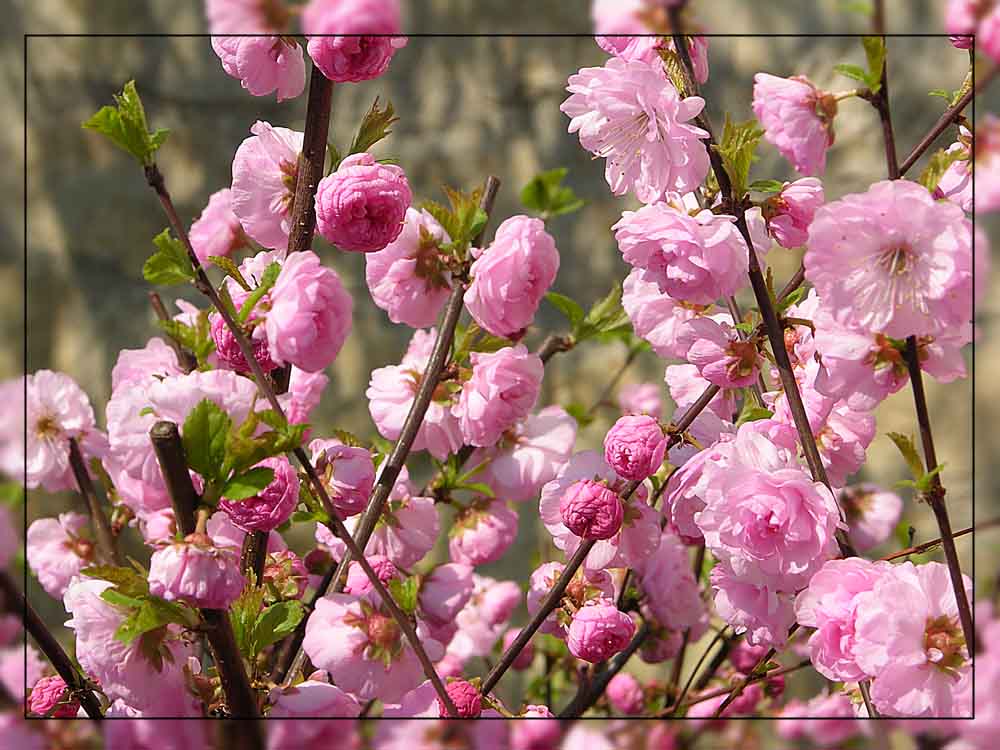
column 99, row 521
column 757, row 677
column 552, row 345
column 918, row 549
column 720, row 657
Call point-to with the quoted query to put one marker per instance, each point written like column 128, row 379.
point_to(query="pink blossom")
column 285, row 576
column 641, row 398
column 759, row 612
column 311, row 699
column 263, row 64
column 693, row 259
column 830, row 604
column 625, row 694
column 20, row 734
column 347, row 473
column 482, row 532
column 363, row 649
column 352, row 58
column 445, row 591
column 51, row 698
column 361, row 206
column 510, row 277
column 590, row 510
column 20, row 665
column 721, row 355
column 797, row 118
column 358, row 582
column 527, row 654
column 660, row 646
column 484, row 618
column 502, row 390
column 227, row 349
column 224, row 533
column 745, row 657
column 407, row 278
column 686, row 385
column 245, row 16
column 831, row 721
column 630, row 114
column 978, row 17
column 639, row 532
column 583, row 587
column 270, row 507
column 910, row 260
column 986, row 156
column 528, row 455
column 599, row 630
column 672, row 592
column 956, row 182
column 535, row 735
column 790, row 212
column 655, row 317
column 310, row 315
column 139, row 366
column 465, row 696
column 217, row 231
column 58, row 549
column 872, row 514
column 197, row 572
column 264, row 170
column 634, row 447
column 908, row 637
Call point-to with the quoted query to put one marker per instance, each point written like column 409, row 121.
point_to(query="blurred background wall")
column 468, row 107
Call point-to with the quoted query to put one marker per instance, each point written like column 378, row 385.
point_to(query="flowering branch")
column 588, row 697
column 918, row 549
column 755, row 677
column 16, row 604
column 99, row 521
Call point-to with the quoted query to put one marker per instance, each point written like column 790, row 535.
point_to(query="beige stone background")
column 468, row 107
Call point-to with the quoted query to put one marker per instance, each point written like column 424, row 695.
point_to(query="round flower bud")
column 599, row 630
column 228, row 350
column 351, row 40
column 273, row 505
column 361, row 206
column 634, row 447
column 590, row 510
column 196, row 572
column 50, row 698
column 625, row 694
column 466, row 698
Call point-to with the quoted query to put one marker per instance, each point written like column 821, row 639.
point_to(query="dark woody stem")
column 311, row 163
column 15, row 602
column 919, row 549
column 757, row 677
column 98, row 521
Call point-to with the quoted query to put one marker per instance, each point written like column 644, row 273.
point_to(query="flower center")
column 289, row 175
column 944, row 644
column 46, row 428
column 896, row 260
column 744, row 358
column 383, row 631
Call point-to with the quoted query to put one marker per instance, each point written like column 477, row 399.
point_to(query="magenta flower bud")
column 350, row 40
column 625, row 694
column 272, row 506
column 444, row 592
column 634, row 447
column 526, row 655
column 50, row 698
column 959, row 41
column 790, row 212
column 590, row 510
column 361, row 206
column 229, row 352
column 358, row 583
column 599, row 630
column 347, row 472
column 466, row 698
column 196, row 572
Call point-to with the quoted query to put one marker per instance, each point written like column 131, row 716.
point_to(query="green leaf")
column 308, row 516
column 606, row 316
column 909, row 451
column 128, row 581
column 125, row 125
column 374, row 127
column 11, row 494
column 463, row 221
column 248, row 484
column 875, row 54
column 152, row 613
column 405, row 592
column 276, row 622
column 568, row 307
column 267, row 281
column 170, row 263
column 580, row 413
column 480, row 488
column 792, row 299
column 751, row 412
column 204, row 436
column 855, row 72
column 197, row 340
column 228, row 265
column 547, row 196
column 243, row 615
column 739, row 142
column 938, row 165
column 766, row 186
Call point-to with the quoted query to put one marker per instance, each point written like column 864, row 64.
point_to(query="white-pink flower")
column 482, row 532
column 140, row 366
column 263, row 64
column 57, row 549
column 722, row 356
column 656, row 317
column 872, row 514
column 629, row 113
column 217, row 230
column 759, row 612
column 673, row 594
column 789, row 213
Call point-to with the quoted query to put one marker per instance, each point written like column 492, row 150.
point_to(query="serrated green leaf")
column 937, row 166
column 170, row 263
column 267, row 281
column 125, row 125
column 152, row 613
column 766, row 186
column 909, row 452
column 128, row 581
column 405, row 592
column 228, row 265
column 568, row 307
column 276, row 622
column 248, row 484
column 737, row 149
column 374, row 127
column 855, row 72
column 751, row 412
column 204, row 436
column 243, row 615
column 547, row 196
column 875, row 54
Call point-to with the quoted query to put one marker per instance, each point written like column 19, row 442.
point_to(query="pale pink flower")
column 583, row 587
column 528, row 455
column 797, row 118
column 20, row 665
column 510, row 277
column 224, row 533
column 347, row 473
column 445, row 591
column 956, row 182
column 720, row 353
column 310, row 315
column 305, row 390
column 790, row 212
column 831, row 605
column 693, row 259
column 363, row 649
column 630, row 114
column 686, row 385
column 139, row 366
column 264, row 170
column 358, row 582
column 361, row 206
column 407, row 277
column 641, row 398
column 245, row 16
column 635, row 446
column 482, row 533
column 263, row 64
column 352, row 57
column 12, row 439
column 535, row 735
column 599, row 630
column 217, row 231
column 908, row 638
column 21, row 734
column 831, row 721
column 502, row 390
column 294, row 734
column 311, row 699
column 978, row 17
column 483, row 620
column 625, row 694
column 57, row 549
column 872, row 514
column 197, row 572
column 892, row 260
column 57, row 410
column 759, row 612
column 655, row 317
column 673, row 594
column 273, row 505
column 638, row 535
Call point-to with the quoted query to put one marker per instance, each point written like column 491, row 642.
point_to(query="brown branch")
column 312, row 161
column 918, row 549
column 552, row 345
column 16, row 603
column 169, row 451
column 757, row 677
column 98, row 521
column 253, row 556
